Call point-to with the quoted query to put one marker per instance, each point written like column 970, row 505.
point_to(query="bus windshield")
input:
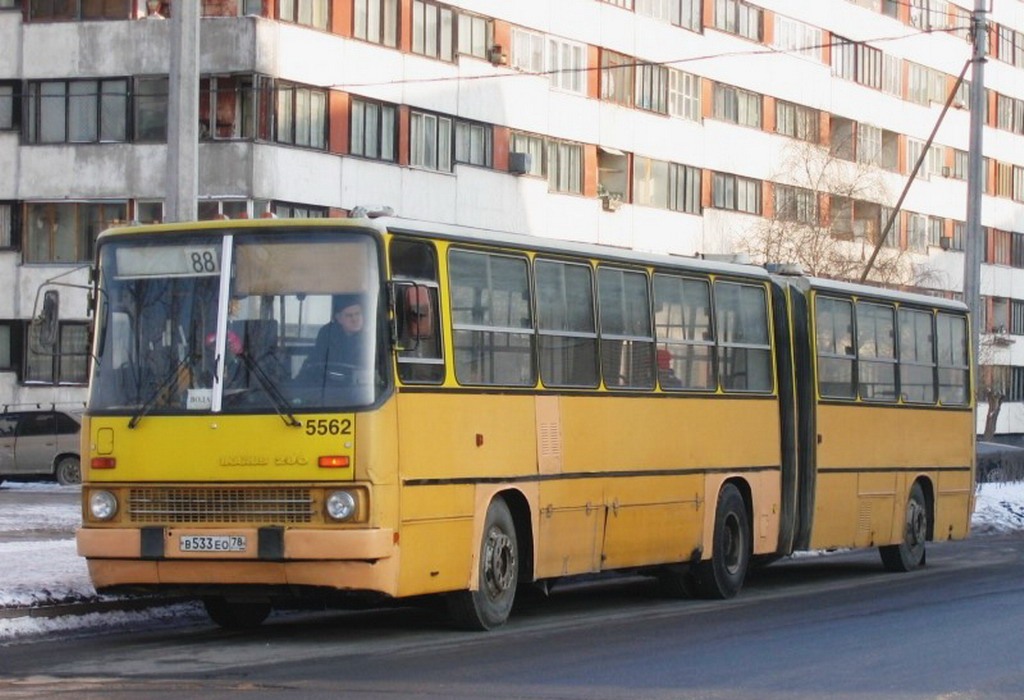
column 262, row 322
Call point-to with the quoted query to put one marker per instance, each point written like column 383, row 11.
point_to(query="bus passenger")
column 666, row 375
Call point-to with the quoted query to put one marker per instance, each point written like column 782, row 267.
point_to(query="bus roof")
column 467, row 234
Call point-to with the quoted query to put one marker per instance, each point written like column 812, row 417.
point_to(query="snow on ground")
column 39, row 564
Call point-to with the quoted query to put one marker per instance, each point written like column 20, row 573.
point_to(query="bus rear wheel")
column 236, row 614
column 910, row 553
column 722, row 575
column 490, row 604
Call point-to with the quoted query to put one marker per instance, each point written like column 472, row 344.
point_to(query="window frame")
column 383, row 148
column 376, row 21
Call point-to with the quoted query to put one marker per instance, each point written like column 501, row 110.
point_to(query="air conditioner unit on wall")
column 496, row 56
column 519, row 163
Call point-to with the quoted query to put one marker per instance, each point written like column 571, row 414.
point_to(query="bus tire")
column 910, row 553
column 236, row 614
column 722, row 575
column 490, row 604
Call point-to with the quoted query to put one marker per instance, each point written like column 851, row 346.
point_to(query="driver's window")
column 414, row 268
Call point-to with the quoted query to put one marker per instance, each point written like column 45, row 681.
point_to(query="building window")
column 222, row 208
column 310, row 13
column 929, row 14
column 736, row 193
column 78, row 111
column 682, row 13
column 565, row 167
column 737, row 17
column 66, row 232
column 869, row 144
column 376, row 21
column 797, row 121
column 652, row 88
column 149, row 212
column 858, row 62
column 373, row 130
column 7, row 336
column 561, row 162
column 957, row 240
column 612, row 174
column 666, row 185
column 433, row 30
column 476, row 35
column 288, row 210
column 684, row 95
column 69, row 364
column 797, row 38
column 8, row 225
column 617, row 78
column 932, row 164
column 796, row 204
column 78, row 9
column 473, row 144
column 227, row 105
column 917, row 232
column 527, row 51
column 960, row 164
column 892, row 75
column 149, row 106
column 10, row 99
column 430, row 141
column 737, row 106
column 567, row 65
column 301, row 116
column 842, row 138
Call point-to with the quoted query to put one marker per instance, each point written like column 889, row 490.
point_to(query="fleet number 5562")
column 329, row 426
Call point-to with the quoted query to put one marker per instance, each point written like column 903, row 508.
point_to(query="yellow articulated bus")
column 285, row 413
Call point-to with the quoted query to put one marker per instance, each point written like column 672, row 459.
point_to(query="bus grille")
column 220, row 505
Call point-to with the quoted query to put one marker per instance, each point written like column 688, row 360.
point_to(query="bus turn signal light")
column 104, row 462
column 333, row 462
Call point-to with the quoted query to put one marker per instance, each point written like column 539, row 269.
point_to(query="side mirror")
column 413, row 315
column 49, row 320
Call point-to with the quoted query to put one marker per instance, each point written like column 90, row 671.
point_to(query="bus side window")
column 421, row 360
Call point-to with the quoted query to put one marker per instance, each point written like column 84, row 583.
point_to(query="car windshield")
column 270, row 321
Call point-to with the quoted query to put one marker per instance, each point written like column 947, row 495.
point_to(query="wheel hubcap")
column 917, row 524
column 499, row 563
column 732, row 544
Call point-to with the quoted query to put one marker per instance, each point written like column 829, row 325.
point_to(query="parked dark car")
column 40, row 443
column 999, row 462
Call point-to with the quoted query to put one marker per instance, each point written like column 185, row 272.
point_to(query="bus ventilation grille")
column 220, row 505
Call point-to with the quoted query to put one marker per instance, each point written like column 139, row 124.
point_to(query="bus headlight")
column 341, row 505
column 102, row 505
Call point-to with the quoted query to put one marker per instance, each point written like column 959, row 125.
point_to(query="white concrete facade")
column 261, row 170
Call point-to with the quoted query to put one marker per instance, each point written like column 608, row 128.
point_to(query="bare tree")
column 829, row 213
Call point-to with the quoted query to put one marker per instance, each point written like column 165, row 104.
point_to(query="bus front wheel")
column 236, row 614
column 722, row 575
column 910, row 553
column 489, row 605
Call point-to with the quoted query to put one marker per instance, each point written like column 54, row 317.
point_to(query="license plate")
column 212, row 543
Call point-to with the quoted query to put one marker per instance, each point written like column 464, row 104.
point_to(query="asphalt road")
column 816, row 627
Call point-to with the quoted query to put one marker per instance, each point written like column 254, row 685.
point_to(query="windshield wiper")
column 270, row 389
column 165, row 383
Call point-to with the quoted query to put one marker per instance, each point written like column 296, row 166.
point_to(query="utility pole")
column 183, row 114
column 975, row 240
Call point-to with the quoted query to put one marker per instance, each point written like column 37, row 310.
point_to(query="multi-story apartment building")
column 776, row 127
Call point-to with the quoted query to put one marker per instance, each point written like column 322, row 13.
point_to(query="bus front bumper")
column 364, row 560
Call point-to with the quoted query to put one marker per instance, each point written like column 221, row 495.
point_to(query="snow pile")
column 999, row 508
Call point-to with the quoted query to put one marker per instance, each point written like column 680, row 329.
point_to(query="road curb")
column 89, row 606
